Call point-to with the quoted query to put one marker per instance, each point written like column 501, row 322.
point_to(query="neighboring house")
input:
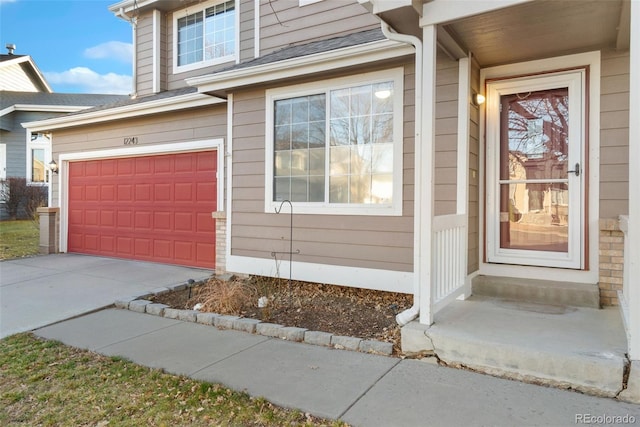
column 25, row 96
column 367, row 116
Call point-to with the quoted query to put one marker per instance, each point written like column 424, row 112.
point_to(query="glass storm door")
column 535, row 140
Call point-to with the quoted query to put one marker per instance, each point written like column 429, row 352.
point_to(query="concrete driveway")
column 42, row 290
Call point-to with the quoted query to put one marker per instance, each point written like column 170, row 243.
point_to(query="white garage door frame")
column 135, row 151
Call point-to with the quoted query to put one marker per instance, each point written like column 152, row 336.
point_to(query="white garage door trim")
column 141, row 150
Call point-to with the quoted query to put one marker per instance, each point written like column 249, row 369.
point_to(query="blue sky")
column 79, row 45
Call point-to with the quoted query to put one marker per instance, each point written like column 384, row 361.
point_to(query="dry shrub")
column 228, row 297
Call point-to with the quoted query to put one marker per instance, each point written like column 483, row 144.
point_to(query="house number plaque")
column 132, row 140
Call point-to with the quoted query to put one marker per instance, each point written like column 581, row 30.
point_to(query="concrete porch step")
column 538, row 291
column 568, row 347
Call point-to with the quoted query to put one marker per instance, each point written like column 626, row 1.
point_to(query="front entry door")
column 535, row 170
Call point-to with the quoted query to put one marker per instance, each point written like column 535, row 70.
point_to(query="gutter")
column 408, row 315
column 192, row 100
column 134, row 26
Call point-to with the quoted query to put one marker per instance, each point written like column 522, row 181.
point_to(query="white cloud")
column 118, row 51
column 88, row 81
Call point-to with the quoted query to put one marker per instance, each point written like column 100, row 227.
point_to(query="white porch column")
column 633, row 256
column 424, row 167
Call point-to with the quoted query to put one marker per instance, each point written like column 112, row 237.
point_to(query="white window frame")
column 396, row 75
column 42, row 143
column 200, row 8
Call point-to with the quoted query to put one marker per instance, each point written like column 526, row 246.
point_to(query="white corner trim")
column 295, row 67
column 132, row 151
column 256, row 28
column 227, row 155
column 157, row 23
column 367, row 278
column 163, row 105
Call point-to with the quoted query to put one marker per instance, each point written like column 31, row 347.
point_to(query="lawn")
column 48, row 383
column 18, row 239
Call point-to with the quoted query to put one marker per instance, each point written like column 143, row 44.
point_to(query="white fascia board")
column 43, row 108
column 443, row 11
column 182, row 102
column 380, row 6
column 295, row 67
column 129, row 5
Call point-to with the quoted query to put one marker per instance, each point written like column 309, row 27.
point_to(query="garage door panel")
column 142, row 247
column 143, row 193
column 90, row 217
column 92, row 193
column 107, row 193
column 155, row 208
column 126, row 167
column 124, row 246
column 107, row 244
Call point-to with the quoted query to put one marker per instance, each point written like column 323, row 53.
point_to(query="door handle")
column 576, row 169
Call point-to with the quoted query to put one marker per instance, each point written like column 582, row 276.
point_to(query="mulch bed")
column 339, row 310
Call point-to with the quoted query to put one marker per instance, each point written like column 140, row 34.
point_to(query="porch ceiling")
column 542, row 28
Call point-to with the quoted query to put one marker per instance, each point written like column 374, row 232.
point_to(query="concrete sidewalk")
column 40, row 290
column 361, row 389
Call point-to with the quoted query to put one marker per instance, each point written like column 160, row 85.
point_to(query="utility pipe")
column 134, row 74
column 408, row 315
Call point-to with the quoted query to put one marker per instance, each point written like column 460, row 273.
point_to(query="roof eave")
column 43, row 108
column 295, row 67
column 192, row 100
column 38, row 74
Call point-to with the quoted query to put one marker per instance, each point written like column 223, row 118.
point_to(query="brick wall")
column 221, row 242
column 611, row 252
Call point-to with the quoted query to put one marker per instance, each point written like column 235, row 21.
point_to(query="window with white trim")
column 335, row 147
column 205, row 35
column 38, row 157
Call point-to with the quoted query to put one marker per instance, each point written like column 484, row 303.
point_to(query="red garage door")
column 152, row 208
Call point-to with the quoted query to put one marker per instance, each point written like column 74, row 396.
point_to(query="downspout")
column 408, row 315
column 134, row 74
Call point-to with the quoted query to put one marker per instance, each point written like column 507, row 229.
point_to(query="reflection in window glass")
column 359, row 146
column 298, row 162
column 207, row 35
column 37, row 165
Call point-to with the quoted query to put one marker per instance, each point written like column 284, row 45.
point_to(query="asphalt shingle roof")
column 9, row 98
column 312, row 48
column 5, row 57
column 288, row 52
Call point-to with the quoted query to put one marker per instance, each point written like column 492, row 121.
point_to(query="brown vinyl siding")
column 182, row 126
column 247, row 23
column 446, row 142
column 380, row 242
column 144, row 54
column 284, row 23
column 614, row 134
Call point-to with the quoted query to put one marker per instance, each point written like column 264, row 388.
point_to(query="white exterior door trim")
column 590, row 271
column 574, row 81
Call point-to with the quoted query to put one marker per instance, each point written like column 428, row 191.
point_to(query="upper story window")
column 335, row 147
column 205, row 35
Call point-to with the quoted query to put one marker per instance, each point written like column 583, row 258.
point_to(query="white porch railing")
column 449, row 259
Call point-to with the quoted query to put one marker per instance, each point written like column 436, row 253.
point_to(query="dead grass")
column 46, row 383
column 227, row 296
